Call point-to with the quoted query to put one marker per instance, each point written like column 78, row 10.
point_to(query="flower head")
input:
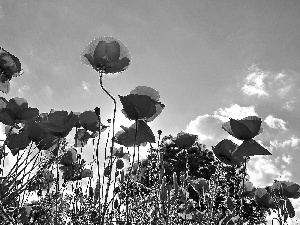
column 10, row 66
column 224, row 152
column 106, row 54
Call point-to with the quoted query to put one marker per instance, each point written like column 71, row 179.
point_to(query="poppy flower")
column 243, row 129
column 58, row 123
column 286, row 188
column 142, row 104
column 106, row 54
column 224, row 152
column 127, row 136
column 90, row 121
column 185, row 140
column 69, row 157
column 264, row 199
column 10, row 66
column 16, row 111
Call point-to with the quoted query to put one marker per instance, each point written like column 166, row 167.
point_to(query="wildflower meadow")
column 180, row 182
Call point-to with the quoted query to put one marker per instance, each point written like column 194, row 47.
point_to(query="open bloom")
column 185, row 140
column 224, row 152
column 10, row 66
column 287, row 189
column 243, row 129
column 58, row 123
column 246, row 129
column 142, row 104
column 106, row 54
column 127, row 137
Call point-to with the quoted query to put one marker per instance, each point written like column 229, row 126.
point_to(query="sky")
column 209, row 60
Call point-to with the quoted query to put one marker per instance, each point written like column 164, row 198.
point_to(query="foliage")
column 201, row 164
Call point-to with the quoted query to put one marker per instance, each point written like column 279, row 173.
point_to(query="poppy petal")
column 250, row 147
column 144, row 90
column 5, row 87
column 112, row 50
column 100, row 51
column 253, row 123
column 240, row 130
column 117, row 67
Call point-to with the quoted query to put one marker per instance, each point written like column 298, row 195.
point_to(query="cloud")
column 275, row 123
column 262, row 171
column 209, row 127
column 254, row 83
column 292, row 142
column 85, row 85
column 280, row 88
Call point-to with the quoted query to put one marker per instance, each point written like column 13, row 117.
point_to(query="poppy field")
column 180, row 181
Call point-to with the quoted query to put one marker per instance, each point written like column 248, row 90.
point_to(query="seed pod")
column 116, row 204
column 120, row 164
column 107, row 171
column 163, row 190
column 91, row 192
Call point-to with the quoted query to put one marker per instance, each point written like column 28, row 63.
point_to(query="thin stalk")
column 113, row 136
column 57, row 185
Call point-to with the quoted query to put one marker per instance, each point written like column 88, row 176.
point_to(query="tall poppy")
column 106, row 54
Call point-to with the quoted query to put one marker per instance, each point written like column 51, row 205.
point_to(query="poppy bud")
column 159, row 132
column 91, row 192
column 97, row 111
column 119, row 164
column 39, row 193
column 116, row 204
column 107, row 171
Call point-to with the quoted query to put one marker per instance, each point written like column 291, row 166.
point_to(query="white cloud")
column 282, row 92
column 288, row 105
column 85, row 85
column 254, row 84
column 235, row 111
column 262, row 171
column 275, row 123
column 292, row 142
column 287, row 159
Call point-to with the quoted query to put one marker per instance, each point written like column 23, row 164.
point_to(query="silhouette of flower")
column 107, row 55
column 10, row 66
